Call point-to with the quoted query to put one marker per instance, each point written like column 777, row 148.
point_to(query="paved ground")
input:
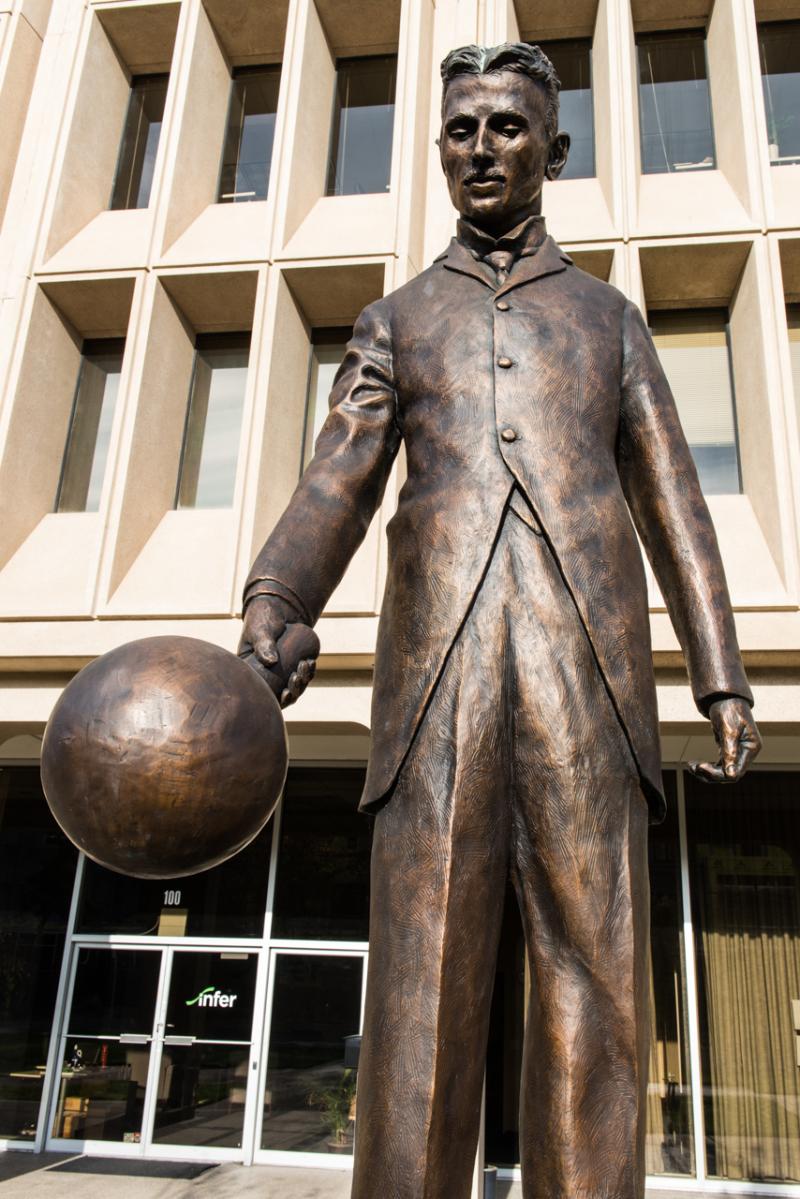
column 62, row 1176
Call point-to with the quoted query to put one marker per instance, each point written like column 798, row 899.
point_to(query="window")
column 247, row 153
column 37, row 868
column 674, row 104
column 139, row 145
column 779, row 51
column 213, row 421
column 694, row 352
column 744, row 862
column 793, row 320
column 89, row 436
column 327, row 353
column 363, row 119
column 573, row 64
column 325, row 837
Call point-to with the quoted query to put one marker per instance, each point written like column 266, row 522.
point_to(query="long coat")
column 550, row 383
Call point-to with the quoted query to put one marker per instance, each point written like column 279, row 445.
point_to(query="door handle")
column 132, row 1038
column 179, row 1040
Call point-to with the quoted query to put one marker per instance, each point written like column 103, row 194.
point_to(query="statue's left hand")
column 738, row 738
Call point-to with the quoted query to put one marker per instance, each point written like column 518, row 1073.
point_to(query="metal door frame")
column 146, row 1147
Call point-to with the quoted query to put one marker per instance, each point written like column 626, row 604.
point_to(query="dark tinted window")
column 228, row 901
column 323, row 862
column 37, row 870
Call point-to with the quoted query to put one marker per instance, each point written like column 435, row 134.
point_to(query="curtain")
column 745, row 880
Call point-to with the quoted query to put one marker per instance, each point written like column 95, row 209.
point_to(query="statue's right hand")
column 265, row 620
column 288, row 668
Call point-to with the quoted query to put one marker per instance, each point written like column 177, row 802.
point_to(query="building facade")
column 197, row 198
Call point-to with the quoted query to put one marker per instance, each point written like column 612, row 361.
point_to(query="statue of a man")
column 514, row 718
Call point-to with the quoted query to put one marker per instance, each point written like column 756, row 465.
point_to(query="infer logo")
column 211, row 997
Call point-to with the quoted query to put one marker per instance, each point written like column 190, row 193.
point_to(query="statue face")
column 494, row 148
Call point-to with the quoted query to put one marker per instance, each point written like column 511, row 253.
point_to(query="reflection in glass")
column 228, row 901
column 247, row 153
column 693, row 349
column 779, row 51
column 139, row 145
column 674, row 103
column 114, row 992
column 573, row 63
column 506, row 1033
column 324, row 837
column 744, row 861
column 89, row 435
column 309, row 1099
column 37, row 869
column 201, row 1095
column 327, row 354
column 101, row 1090
column 669, row 1144
column 213, row 423
column 107, row 1045
column 211, row 996
column 363, row 120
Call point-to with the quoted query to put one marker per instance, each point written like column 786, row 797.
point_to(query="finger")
column 305, row 671
column 286, row 698
column 748, row 748
column 730, row 751
column 253, row 662
column 295, row 685
column 708, row 772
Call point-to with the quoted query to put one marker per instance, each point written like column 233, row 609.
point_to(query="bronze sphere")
column 164, row 757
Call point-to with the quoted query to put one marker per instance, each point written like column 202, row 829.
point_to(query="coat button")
column 509, row 435
column 502, row 306
column 505, row 363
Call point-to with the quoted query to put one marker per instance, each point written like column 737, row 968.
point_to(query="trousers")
column 520, row 765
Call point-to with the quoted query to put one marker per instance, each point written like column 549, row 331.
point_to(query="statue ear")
column 559, row 151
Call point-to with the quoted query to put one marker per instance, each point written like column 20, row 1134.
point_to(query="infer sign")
column 211, row 997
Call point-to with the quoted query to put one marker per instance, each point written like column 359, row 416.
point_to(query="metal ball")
column 164, row 757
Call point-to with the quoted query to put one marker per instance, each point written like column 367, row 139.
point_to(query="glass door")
column 156, row 1053
column 107, row 1047
column 204, row 1069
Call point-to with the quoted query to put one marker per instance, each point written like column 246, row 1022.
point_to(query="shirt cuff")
column 280, row 591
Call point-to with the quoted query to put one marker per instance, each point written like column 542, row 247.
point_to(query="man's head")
column 500, row 138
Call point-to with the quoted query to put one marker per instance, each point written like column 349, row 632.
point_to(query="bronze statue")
column 514, row 710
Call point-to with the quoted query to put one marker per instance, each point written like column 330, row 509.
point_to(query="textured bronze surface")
column 164, row 757
column 514, row 720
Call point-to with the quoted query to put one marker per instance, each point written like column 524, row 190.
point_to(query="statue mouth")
column 484, row 183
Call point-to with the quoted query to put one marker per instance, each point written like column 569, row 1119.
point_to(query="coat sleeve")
column 331, row 509
column 663, row 492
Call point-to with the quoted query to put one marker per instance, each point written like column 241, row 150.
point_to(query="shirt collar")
column 522, row 240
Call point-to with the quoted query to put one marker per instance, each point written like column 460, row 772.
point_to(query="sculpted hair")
column 512, row 56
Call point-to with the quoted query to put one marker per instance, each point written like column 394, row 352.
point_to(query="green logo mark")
column 212, row 997
column 197, row 998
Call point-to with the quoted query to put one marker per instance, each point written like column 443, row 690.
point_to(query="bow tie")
column 501, row 262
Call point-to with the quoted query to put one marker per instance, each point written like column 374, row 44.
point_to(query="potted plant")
column 336, row 1104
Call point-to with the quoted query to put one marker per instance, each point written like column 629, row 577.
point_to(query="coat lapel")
column 547, row 260
column 458, row 258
